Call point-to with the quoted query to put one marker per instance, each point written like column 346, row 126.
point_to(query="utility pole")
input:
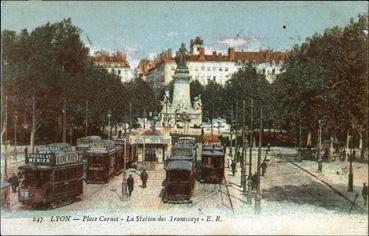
column 64, row 121
column 144, row 118
column 15, row 136
column 236, row 133
column 33, row 125
column 231, row 131
column 351, row 174
column 124, row 180
column 130, row 117
column 109, row 126
column 6, row 139
column 258, row 197
column 320, row 164
column 249, row 187
column 86, row 119
column 300, row 136
column 243, row 158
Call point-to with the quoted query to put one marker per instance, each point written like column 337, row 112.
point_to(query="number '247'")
column 38, row 219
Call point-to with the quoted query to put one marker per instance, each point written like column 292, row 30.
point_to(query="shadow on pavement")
column 314, row 194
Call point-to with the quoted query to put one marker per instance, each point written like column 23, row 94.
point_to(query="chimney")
column 202, row 53
column 214, row 53
column 231, row 54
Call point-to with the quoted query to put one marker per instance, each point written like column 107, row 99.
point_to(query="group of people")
column 263, row 167
column 130, row 181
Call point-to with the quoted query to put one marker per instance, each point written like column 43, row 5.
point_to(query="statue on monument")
column 181, row 54
column 197, row 104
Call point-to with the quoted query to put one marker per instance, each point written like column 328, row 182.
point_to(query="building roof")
column 105, row 59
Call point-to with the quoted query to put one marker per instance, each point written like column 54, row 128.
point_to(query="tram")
column 212, row 164
column 104, row 161
column 83, row 145
column 179, row 182
column 51, row 179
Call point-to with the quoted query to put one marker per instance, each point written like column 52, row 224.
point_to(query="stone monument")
column 180, row 112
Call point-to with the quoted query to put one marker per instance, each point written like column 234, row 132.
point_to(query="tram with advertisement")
column 104, row 161
column 51, row 179
column 212, row 163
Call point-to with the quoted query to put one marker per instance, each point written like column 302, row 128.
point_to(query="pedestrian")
column 229, row 162
column 6, row 198
column 130, row 183
column 364, row 192
column 263, row 168
column 254, row 181
column 14, row 182
column 20, row 175
column 238, row 155
column 144, row 177
column 268, row 147
column 233, row 165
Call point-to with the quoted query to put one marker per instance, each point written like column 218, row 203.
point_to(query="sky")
column 144, row 29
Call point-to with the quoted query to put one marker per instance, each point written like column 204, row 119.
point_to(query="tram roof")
column 213, row 153
column 183, row 146
column 180, row 158
column 212, row 147
column 179, row 165
column 37, row 166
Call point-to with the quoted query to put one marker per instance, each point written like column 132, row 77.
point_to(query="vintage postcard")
column 184, row 118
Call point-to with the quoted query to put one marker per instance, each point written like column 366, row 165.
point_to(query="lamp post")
column 109, row 115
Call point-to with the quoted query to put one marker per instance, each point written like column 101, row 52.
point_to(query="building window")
column 208, row 68
column 214, row 68
column 197, row 77
column 263, row 71
column 119, row 72
column 214, row 77
column 226, row 69
column 203, row 68
column 273, row 72
column 196, row 68
column 208, row 77
column 220, row 69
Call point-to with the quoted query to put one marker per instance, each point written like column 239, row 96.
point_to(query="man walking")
column 14, row 182
column 144, row 177
column 263, row 168
column 254, row 181
column 364, row 192
column 130, row 183
column 233, row 165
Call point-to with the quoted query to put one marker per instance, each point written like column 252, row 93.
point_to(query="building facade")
column 115, row 63
column 216, row 67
